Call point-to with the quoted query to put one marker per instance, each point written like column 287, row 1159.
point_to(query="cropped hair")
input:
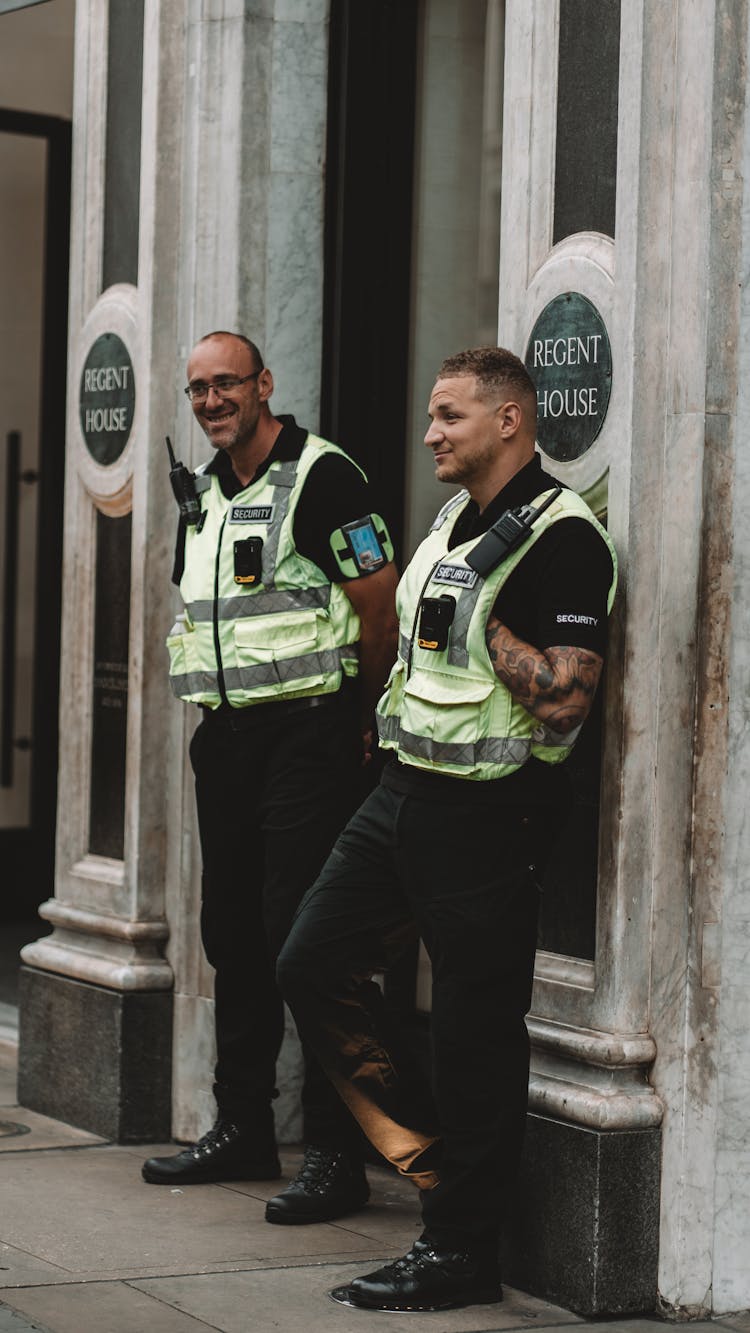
column 240, row 338
column 496, row 371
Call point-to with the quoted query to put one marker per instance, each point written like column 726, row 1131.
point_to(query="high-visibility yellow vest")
column 292, row 634
column 446, row 710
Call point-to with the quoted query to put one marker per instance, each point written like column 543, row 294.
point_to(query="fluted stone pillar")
column 634, row 1187
column 252, row 198
column 96, row 994
column 229, row 236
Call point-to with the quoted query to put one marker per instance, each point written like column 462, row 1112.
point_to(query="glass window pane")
column 122, row 188
column 110, row 688
column 587, row 91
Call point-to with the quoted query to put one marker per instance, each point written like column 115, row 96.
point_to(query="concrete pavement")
column 87, row 1247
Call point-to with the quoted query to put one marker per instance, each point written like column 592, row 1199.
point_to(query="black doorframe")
column 29, row 854
column 368, row 239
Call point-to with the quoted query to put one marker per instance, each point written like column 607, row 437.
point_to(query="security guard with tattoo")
column 502, row 615
column 286, row 637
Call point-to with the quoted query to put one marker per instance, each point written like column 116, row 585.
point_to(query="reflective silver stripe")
column 284, row 474
column 387, row 727
column 260, row 603
column 458, row 652
column 282, row 477
column 489, row 750
column 195, row 682
column 448, row 508
column 404, row 644
column 282, row 671
column 278, row 672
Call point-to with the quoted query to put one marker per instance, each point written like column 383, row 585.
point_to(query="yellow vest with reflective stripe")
column 293, row 634
column 446, row 710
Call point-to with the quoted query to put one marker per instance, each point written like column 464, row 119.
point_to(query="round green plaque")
column 569, row 359
column 107, row 398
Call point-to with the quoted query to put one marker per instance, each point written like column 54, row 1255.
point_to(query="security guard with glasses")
column 286, row 638
column 502, row 615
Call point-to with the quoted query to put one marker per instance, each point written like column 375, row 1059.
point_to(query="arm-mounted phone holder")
column 362, row 547
column 509, row 531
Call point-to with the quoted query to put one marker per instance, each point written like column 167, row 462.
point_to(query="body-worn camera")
column 248, row 561
column 435, row 619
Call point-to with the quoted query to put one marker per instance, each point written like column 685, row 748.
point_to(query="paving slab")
column 89, row 1212
column 48, row 1275
column 391, row 1218
column 297, row 1301
column 86, row 1245
column 18, row 1268
column 39, row 1131
column 104, row 1307
column 12, row 1322
column 647, row 1324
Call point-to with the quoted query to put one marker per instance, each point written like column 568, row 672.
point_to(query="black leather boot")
column 327, row 1185
column 426, row 1278
column 226, row 1152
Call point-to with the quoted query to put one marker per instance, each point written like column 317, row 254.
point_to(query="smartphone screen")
column 368, row 552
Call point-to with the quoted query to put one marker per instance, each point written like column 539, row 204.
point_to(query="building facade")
column 364, row 186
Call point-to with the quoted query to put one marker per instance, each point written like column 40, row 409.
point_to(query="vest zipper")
column 217, row 640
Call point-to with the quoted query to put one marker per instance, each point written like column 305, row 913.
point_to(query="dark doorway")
column 368, row 280
column 369, row 182
column 35, row 155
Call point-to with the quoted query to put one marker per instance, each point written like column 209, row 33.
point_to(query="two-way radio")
column 506, row 534
column 183, row 485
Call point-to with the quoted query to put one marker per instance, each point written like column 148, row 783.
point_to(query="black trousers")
column 273, row 790
column 464, row 878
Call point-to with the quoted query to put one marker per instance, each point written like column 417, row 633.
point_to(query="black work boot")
column 226, row 1152
column 427, row 1278
column 327, row 1185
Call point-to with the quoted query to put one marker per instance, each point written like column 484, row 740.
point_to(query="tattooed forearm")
column 557, row 686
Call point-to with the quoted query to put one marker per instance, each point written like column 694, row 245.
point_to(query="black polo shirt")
column 556, row 595
column 335, row 492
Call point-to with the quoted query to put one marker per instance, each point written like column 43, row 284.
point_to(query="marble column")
column 252, row 198
column 230, row 236
column 722, row 852
column 643, row 1045
column 96, row 994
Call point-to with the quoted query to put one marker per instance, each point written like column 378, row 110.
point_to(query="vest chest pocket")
column 390, row 700
column 283, row 648
column 185, row 670
column 456, row 711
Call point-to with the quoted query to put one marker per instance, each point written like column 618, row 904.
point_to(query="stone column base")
column 583, row 1231
column 98, row 1059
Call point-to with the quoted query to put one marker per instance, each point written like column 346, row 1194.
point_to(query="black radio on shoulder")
column 506, row 534
column 435, row 619
column 248, row 561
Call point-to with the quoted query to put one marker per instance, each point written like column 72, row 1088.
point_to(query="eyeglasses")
column 223, row 386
